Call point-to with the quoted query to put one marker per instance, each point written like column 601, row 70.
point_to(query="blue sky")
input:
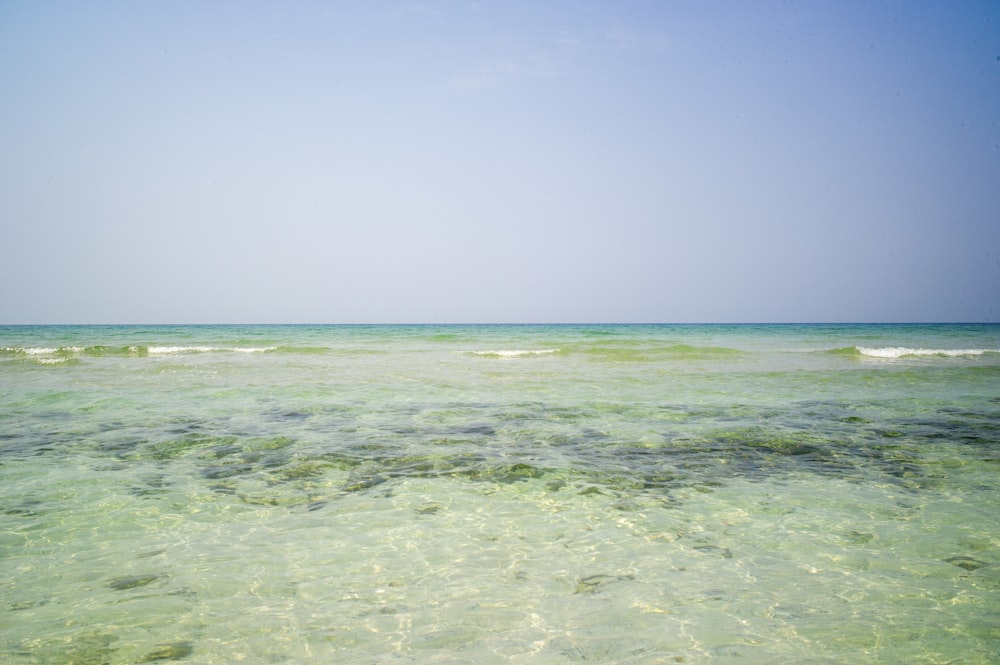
column 499, row 161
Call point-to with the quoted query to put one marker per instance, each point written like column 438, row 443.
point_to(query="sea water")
column 500, row 494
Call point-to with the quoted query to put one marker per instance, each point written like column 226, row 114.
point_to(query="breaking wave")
column 172, row 350
column 893, row 352
column 515, row 353
column 621, row 353
column 48, row 355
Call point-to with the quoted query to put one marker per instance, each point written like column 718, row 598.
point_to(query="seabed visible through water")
column 500, row 494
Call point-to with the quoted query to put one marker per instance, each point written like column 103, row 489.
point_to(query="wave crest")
column 173, row 350
column 903, row 352
column 514, row 353
column 54, row 354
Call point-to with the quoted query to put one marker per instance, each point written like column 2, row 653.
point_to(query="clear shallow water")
column 500, row 494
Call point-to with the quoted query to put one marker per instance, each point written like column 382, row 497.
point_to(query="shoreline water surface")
column 511, row 494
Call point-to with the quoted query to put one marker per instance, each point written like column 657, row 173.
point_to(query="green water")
column 500, row 494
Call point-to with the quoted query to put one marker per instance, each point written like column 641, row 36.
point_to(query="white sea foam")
column 174, row 350
column 902, row 351
column 515, row 353
column 38, row 351
column 60, row 353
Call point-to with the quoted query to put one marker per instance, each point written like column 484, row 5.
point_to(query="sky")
column 509, row 161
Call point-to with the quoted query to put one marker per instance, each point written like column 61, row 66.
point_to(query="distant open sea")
column 750, row 494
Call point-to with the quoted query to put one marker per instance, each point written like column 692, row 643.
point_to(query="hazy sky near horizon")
column 190, row 162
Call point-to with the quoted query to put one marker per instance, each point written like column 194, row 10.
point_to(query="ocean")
column 500, row 494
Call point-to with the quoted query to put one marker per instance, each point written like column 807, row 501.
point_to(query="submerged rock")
column 171, row 651
column 363, row 483
column 301, row 470
column 481, row 429
column 966, row 562
column 714, row 550
column 594, row 583
column 131, row 581
column 217, row 472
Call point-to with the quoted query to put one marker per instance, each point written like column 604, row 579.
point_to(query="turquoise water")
column 500, row 494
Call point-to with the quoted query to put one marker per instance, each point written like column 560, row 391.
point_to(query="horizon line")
column 516, row 323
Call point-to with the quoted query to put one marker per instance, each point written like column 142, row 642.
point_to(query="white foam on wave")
column 40, row 351
column 902, row 351
column 48, row 351
column 61, row 352
column 174, row 350
column 515, row 353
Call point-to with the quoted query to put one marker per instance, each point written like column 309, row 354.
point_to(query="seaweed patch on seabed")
column 848, row 447
column 843, row 443
column 599, row 582
column 966, row 563
column 126, row 582
column 714, row 550
column 169, row 651
column 33, row 444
